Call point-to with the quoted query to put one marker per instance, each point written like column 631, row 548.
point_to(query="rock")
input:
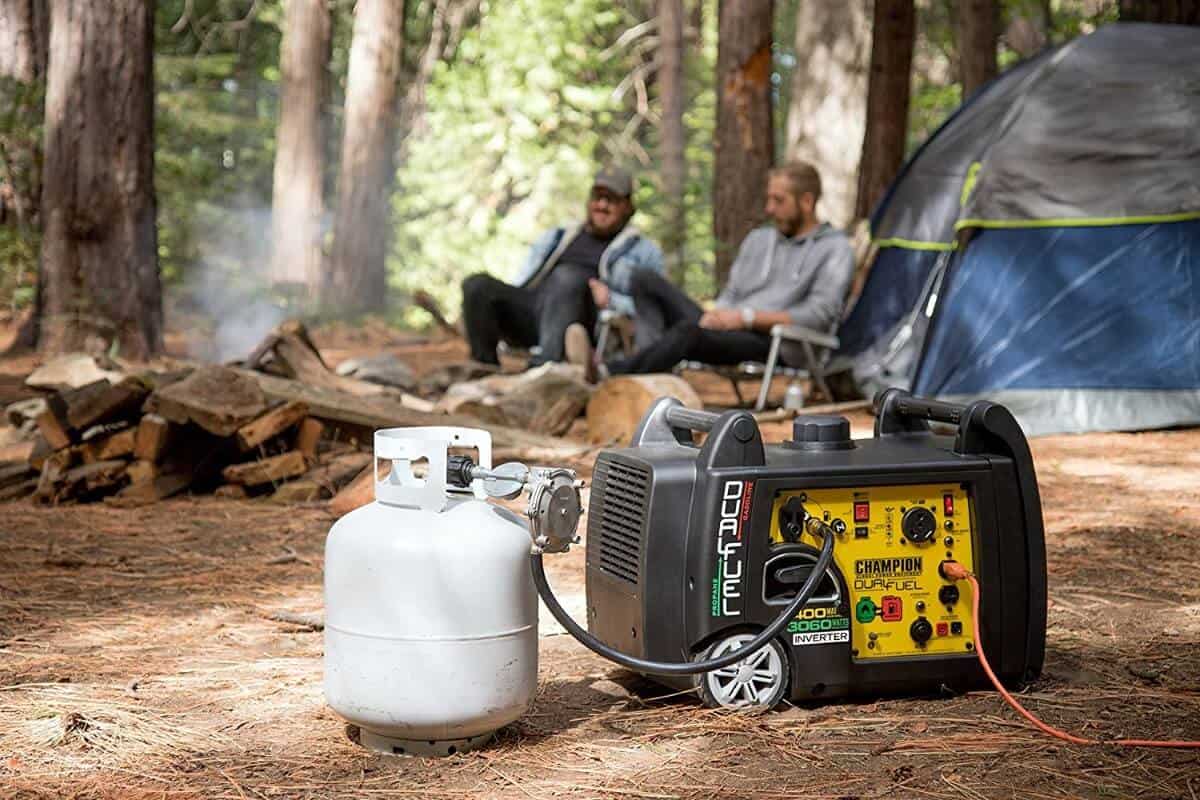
column 70, row 372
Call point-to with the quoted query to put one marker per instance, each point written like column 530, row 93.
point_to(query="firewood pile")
column 281, row 423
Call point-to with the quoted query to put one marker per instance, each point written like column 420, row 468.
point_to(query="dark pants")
column 494, row 311
column 668, row 331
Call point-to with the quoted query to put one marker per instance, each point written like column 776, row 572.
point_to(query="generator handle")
column 691, row 419
column 900, row 411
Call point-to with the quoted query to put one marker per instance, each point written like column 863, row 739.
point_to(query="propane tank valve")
column 555, row 505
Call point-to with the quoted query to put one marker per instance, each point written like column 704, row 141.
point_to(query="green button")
column 864, row 611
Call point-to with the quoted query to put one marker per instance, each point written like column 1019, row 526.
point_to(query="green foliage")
column 216, row 102
column 539, row 95
column 20, row 156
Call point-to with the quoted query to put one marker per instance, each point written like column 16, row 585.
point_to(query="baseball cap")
column 616, row 180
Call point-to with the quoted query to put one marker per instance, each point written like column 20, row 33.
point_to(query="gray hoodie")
column 807, row 276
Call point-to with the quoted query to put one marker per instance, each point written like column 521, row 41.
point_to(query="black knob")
column 918, row 524
column 920, row 630
column 821, row 432
column 948, row 595
column 458, row 470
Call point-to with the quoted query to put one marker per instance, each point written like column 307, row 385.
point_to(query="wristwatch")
column 747, row 318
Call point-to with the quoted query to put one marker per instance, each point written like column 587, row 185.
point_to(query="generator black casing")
column 656, row 507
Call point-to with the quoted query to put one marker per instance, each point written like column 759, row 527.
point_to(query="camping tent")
column 1042, row 248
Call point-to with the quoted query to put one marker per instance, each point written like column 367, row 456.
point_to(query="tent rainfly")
column 1042, row 248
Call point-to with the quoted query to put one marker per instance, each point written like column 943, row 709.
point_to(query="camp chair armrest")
column 798, row 333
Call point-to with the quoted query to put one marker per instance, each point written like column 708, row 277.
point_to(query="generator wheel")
column 757, row 680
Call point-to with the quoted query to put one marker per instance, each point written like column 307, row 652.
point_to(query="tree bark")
column 298, row 206
column 892, row 38
column 24, row 38
column 672, row 139
column 744, row 144
column 357, row 279
column 99, row 244
column 828, row 109
column 976, row 28
column 1178, row 12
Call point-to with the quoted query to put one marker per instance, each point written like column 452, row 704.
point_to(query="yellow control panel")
column 890, row 540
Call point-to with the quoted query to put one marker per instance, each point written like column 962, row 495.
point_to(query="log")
column 324, row 481
column 142, row 471
column 292, row 354
column 53, row 430
column 371, row 413
column 618, row 404
column 160, row 488
column 55, row 422
column 23, row 451
column 556, row 418
column 111, row 403
column 309, row 436
column 268, row 470
column 115, row 445
column 218, row 399
column 81, row 481
column 40, row 452
column 270, row 424
column 153, row 436
column 546, row 399
column 15, row 473
column 358, row 492
column 18, row 490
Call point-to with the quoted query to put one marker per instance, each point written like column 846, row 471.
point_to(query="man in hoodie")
column 569, row 274
column 795, row 271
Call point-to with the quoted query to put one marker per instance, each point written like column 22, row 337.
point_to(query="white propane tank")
column 430, row 610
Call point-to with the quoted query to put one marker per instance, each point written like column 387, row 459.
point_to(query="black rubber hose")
column 687, row 667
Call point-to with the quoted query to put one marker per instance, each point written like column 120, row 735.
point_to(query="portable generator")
column 693, row 551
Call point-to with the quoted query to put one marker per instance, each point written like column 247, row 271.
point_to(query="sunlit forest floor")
column 138, row 658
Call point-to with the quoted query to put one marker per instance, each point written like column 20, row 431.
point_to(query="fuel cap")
column 821, row 432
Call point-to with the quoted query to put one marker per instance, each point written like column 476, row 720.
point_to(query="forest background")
column 505, row 108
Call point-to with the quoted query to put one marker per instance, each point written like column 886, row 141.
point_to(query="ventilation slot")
column 619, row 494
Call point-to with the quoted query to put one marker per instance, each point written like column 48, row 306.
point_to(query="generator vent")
column 617, row 517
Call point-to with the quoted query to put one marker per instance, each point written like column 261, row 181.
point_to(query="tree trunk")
column 977, row 28
column 892, row 37
column 744, row 143
column 298, row 205
column 1178, row 12
column 24, row 35
column 672, row 138
column 357, row 278
column 828, row 109
column 99, row 243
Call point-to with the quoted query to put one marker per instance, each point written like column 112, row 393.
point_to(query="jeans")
column 668, row 331
column 494, row 311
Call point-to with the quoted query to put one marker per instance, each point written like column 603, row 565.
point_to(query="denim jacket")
column 629, row 251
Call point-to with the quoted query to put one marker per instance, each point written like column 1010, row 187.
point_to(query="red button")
column 943, row 629
column 891, row 608
column 862, row 512
column 948, row 504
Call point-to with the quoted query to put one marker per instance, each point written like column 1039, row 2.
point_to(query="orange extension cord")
column 957, row 572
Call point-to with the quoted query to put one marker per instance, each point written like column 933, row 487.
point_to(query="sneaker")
column 577, row 346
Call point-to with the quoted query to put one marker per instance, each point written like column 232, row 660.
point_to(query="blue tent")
column 1042, row 248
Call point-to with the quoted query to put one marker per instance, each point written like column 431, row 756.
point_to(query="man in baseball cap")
column 570, row 273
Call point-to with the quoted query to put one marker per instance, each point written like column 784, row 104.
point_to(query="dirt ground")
column 138, row 659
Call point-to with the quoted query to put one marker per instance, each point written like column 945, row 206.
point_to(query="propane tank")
column 430, row 610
